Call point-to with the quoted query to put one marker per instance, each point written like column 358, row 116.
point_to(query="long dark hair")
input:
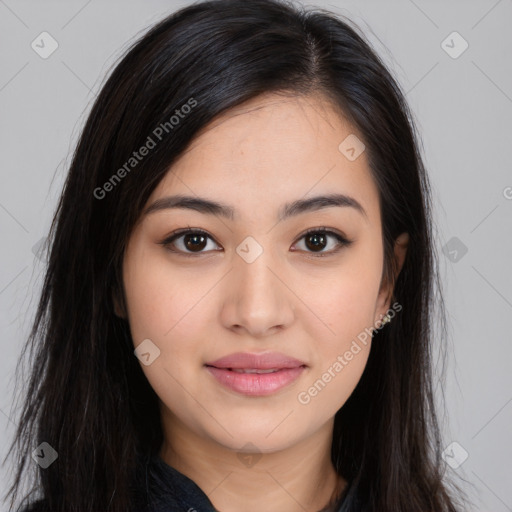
column 87, row 396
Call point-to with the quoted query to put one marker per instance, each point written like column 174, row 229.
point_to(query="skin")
column 270, row 151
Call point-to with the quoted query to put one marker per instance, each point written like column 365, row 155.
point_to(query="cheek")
column 164, row 308
column 346, row 307
column 328, row 390
column 343, row 303
column 342, row 351
column 173, row 309
column 160, row 301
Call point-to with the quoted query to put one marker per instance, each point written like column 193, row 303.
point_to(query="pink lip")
column 256, row 384
column 263, row 361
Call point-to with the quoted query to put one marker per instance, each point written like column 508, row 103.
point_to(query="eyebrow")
column 218, row 209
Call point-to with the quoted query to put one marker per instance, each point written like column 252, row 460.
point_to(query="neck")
column 300, row 478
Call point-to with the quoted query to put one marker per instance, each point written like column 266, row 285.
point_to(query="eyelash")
column 342, row 241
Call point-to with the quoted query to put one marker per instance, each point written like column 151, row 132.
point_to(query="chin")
column 259, row 440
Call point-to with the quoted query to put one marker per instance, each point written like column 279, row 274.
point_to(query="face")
column 252, row 281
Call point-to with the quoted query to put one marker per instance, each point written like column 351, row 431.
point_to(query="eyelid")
column 342, row 240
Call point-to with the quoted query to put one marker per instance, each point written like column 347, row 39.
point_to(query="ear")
column 387, row 285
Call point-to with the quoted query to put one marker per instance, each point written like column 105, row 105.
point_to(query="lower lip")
column 256, row 384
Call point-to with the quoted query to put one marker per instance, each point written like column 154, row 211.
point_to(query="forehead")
column 271, row 150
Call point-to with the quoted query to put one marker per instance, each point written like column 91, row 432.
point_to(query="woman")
column 237, row 309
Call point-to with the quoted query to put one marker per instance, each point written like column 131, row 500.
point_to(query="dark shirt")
column 161, row 488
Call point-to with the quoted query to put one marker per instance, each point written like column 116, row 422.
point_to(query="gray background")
column 463, row 108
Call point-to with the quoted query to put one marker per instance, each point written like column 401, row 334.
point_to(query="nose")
column 258, row 300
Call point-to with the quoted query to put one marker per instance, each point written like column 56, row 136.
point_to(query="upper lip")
column 262, row 361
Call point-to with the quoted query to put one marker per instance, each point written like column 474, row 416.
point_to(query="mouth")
column 251, row 370
column 256, row 374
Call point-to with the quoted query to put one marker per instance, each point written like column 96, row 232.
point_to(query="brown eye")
column 194, row 242
column 188, row 241
column 318, row 239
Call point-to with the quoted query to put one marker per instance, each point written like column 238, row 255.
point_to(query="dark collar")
column 165, row 489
